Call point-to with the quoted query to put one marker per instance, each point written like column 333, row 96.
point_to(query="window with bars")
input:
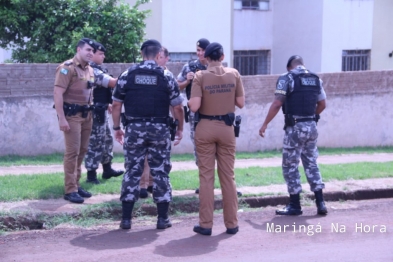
column 355, row 60
column 252, row 4
column 182, row 57
column 252, row 62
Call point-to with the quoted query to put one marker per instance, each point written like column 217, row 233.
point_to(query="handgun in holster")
column 238, row 120
column 196, row 119
column 123, row 120
column 172, row 127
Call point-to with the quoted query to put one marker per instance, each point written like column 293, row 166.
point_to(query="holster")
column 238, row 120
column 123, row 120
column 172, row 124
column 186, row 113
column 289, row 120
column 229, row 118
column 99, row 115
column 197, row 118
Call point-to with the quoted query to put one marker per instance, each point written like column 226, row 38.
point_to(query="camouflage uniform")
column 300, row 142
column 183, row 77
column 151, row 139
column 101, row 139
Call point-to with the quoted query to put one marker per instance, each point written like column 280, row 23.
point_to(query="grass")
column 57, row 159
column 46, row 186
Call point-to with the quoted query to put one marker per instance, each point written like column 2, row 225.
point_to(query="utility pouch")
column 99, row 115
column 70, row 109
column 289, row 120
column 196, row 119
column 238, row 120
column 186, row 113
column 229, row 118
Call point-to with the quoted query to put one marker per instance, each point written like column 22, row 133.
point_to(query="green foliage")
column 48, row 31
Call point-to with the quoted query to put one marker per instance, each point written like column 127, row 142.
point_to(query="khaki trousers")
column 76, row 143
column 216, row 141
column 146, row 178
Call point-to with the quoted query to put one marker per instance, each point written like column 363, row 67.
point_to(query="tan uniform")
column 218, row 88
column 71, row 76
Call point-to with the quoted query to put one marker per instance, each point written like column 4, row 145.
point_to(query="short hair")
column 150, row 52
column 85, row 40
column 165, row 51
column 216, row 54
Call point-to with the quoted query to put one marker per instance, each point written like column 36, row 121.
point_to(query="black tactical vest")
column 194, row 67
column 147, row 93
column 102, row 94
column 302, row 101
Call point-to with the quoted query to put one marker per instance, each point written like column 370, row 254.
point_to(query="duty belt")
column 220, row 118
column 155, row 120
column 297, row 120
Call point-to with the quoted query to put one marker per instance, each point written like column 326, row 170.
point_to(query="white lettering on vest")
column 146, row 80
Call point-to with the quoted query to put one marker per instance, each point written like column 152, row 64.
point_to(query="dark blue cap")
column 293, row 58
column 203, row 43
column 213, row 47
column 99, row 46
column 150, row 42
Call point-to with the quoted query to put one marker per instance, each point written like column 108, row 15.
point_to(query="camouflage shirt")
column 101, row 76
column 285, row 83
column 119, row 93
column 186, row 69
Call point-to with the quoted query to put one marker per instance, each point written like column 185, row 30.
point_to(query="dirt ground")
column 352, row 231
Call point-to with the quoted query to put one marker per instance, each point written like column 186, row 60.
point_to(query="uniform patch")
column 64, row 71
column 309, row 81
column 280, row 84
column 146, row 80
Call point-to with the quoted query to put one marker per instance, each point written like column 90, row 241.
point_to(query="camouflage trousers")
column 100, row 146
column 300, row 142
column 152, row 141
column 191, row 121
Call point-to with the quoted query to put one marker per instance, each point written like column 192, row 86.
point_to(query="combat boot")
column 126, row 217
column 109, row 172
column 163, row 221
column 92, row 177
column 293, row 208
column 321, row 207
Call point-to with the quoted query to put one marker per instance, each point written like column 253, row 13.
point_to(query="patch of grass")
column 57, row 159
column 45, row 186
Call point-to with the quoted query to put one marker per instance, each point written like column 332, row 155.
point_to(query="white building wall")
column 252, row 30
column 297, row 30
column 347, row 25
column 382, row 43
column 4, row 54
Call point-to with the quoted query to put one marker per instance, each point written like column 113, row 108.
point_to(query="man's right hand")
column 190, row 75
column 64, row 126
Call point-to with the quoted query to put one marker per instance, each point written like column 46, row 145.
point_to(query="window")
column 252, row 62
column 182, row 57
column 355, row 60
column 252, row 4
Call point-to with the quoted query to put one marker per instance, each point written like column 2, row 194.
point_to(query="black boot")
column 92, row 177
column 126, row 217
column 293, row 209
column 321, row 207
column 163, row 219
column 109, row 172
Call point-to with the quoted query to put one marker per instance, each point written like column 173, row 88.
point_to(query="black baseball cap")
column 150, row 42
column 212, row 47
column 203, row 43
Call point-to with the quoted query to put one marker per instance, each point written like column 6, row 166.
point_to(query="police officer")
column 215, row 93
column 72, row 97
column 147, row 94
column 146, row 179
column 301, row 94
column 101, row 140
column 185, row 78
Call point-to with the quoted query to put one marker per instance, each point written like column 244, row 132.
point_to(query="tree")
column 47, row 31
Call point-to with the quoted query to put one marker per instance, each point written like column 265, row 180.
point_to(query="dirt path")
column 190, row 165
column 365, row 233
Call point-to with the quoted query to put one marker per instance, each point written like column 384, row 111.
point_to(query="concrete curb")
column 34, row 222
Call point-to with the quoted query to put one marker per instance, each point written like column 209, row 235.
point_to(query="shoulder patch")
column 64, row 71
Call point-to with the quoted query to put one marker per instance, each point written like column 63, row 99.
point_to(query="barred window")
column 252, row 62
column 252, row 4
column 356, row 60
column 182, row 57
